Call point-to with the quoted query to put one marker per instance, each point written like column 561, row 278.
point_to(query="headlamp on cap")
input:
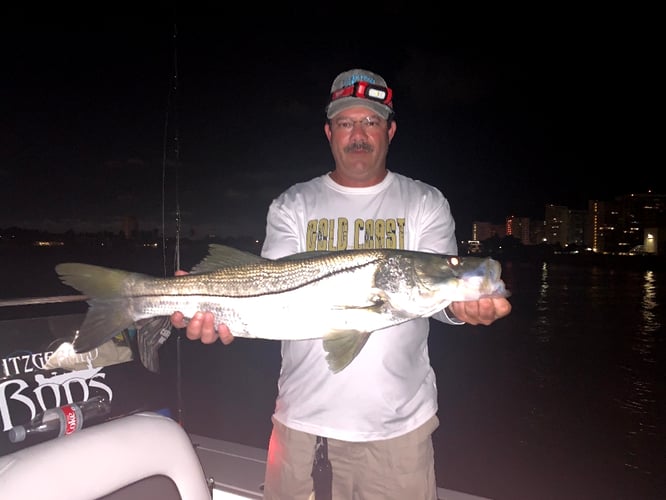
column 365, row 90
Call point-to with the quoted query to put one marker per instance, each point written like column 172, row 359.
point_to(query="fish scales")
column 340, row 297
column 256, row 315
column 256, row 279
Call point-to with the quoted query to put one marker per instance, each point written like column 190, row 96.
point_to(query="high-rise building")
column 632, row 223
column 620, row 226
column 519, row 227
column 484, row 230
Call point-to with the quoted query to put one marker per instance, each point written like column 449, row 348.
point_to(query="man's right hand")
column 202, row 325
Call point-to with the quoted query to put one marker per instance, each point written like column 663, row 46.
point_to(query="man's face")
column 359, row 140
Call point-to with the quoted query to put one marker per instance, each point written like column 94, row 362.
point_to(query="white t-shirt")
column 389, row 389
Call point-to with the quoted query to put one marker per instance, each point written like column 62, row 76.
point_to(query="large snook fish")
column 340, row 297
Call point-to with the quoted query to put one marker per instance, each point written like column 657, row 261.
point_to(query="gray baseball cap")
column 360, row 87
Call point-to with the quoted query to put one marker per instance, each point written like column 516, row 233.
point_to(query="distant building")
column 557, row 220
column 538, row 232
column 619, row 226
column 653, row 239
column 485, row 230
column 473, row 246
column 593, row 226
column 632, row 223
column 519, row 227
column 564, row 226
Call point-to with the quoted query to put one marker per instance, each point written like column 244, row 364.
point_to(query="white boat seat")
column 141, row 456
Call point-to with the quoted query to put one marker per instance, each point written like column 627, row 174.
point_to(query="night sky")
column 501, row 131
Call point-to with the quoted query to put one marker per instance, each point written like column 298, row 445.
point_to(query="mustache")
column 358, row 146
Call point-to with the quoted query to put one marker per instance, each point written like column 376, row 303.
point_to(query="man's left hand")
column 482, row 312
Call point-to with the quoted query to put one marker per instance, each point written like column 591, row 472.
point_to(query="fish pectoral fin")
column 150, row 336
column 376, row 302
column 342, row 347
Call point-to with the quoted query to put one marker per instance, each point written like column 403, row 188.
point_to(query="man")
column 378, row 414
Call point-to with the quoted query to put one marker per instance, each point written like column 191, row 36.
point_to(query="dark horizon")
column 97, row 129
column 463, row 234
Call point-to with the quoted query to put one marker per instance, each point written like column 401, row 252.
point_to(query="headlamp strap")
column 365, row 90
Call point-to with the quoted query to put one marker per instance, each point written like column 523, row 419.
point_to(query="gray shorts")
column 397, row 468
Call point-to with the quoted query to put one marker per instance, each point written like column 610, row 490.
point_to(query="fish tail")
column 104, row 320
column 109, row 311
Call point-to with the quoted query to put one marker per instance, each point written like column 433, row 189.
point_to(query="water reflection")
column 541, row 333
column 649, row 303
column 640, row 370
column 594, row 371
column 542, row 325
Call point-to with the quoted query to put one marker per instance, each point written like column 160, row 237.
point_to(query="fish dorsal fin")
column 220, row 256
column 343, row 347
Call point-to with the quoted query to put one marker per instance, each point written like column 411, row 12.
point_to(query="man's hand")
column 482, row 312
column 202, row 325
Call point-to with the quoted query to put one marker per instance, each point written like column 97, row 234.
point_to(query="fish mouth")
column 486, row 277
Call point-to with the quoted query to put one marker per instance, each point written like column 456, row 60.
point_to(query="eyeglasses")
column 367, row 123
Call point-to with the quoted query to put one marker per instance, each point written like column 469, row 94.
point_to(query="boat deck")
column 236, row 471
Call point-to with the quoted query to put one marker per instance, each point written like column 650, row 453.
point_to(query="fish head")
column 424, row 283
column 460, row 278
column 478, row 277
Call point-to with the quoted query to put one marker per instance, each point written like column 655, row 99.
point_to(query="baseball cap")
column 360, row 87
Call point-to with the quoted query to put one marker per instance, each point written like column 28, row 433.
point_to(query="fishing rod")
column 169, row 138
column 54, row 299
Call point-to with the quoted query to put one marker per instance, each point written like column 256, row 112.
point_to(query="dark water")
column 563, row 399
